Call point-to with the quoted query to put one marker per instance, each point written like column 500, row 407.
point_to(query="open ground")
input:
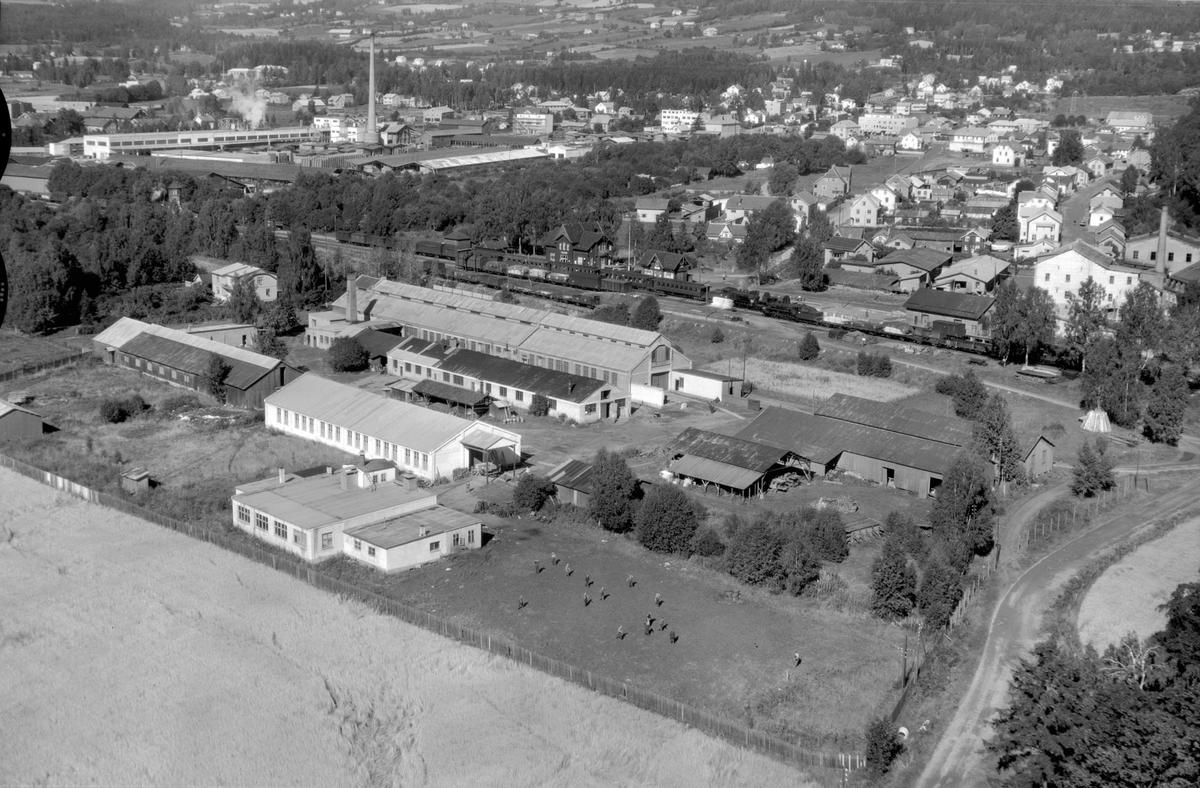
column 196, row 666
column 1127, row 596
column 738, row 643
column 17, row 350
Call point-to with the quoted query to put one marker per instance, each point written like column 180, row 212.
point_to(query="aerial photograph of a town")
column 600, row 393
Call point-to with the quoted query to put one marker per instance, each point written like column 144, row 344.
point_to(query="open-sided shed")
column 734, row 464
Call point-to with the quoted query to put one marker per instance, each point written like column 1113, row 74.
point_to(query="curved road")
column 959, row 761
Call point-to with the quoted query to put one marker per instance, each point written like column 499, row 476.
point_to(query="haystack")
column 1097, row 421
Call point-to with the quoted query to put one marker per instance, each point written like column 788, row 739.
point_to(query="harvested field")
column 196, row 666
column 812, row 383
column 1126, row 597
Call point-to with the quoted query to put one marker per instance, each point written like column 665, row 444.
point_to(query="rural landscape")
column 580, row 393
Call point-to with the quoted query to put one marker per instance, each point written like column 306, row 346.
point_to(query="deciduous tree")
column 1085, row 317
column 346, row 354
column 269, row 343
column 995, row 440
column 808, row 264
column 893, row 580
column 613, row 489
column 646, row 315
column 216, row 372
column 1166, row 406
column 810, row 348
column 1093, row 471
column 666, row 520
column 965, row 510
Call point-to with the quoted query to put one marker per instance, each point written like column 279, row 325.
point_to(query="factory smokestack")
column 371, row 136
column 351, row 297
column 1160, row 260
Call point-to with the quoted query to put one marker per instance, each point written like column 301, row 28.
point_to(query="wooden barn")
column 18, row 422
column 572, row 481
column 735, row 465
column 1039, row 457
column 180, row 359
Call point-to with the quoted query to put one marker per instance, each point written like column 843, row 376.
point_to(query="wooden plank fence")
column 732, row 732
column 32, row 369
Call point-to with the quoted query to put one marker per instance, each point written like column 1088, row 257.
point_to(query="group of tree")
column 810, row 348
column 784, row 551
column 767, row 231
column 922, row 573
column 1023, row 321
column 1093, row 472
column 1127, row 718
column 968, row 392
column 873, row 365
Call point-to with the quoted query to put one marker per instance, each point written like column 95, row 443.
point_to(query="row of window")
column 157, row 369
column 1112, row 279
column 263, row 523
column 389, row 451
column 1170, row 256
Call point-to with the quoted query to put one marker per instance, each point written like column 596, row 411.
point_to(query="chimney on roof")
column 1160, row 262
column 351, row 297
column 282, row 476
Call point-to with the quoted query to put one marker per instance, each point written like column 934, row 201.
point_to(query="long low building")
column 503, row 381
column 101, row 146
column 619, row 355
column 418, row 440
column 181, row 359
column 365, row 510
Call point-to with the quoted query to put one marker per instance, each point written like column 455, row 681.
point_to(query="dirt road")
column 959, row 760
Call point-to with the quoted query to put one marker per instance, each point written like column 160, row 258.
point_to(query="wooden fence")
column 32, row 369
column 732, row 732
column 1041, row 528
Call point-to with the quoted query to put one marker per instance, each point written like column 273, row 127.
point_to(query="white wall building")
column 677, row 121
column 1063, row 270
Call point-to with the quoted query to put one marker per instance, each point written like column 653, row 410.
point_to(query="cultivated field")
column 813, row 383
column 136, row 655
column 16, row 350
column 1126, row 597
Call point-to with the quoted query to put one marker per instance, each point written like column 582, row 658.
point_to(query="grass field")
column 17, row 350
column 1126, row 597
column 1164, row 108
column 198, row 667
column 798, row 381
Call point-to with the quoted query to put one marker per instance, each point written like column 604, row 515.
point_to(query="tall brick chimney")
column 371, row 133
column 351, row 297
column 1160, row 261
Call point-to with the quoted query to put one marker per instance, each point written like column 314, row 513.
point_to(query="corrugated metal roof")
column 918, row 257
column 457, row 394
column 574, row 474
column 238, row 269
column 407, row 528
column 599, row 329
column 320, row 500
column 472, row 160
column 728, row 450
column 377, row 343
column 826, row 438
column 594, row 352
column 248, row 366
column 949, row 304
column 528, row 377
column 189, row 359
column 701, row 373
column 411, row 426
column 896, row 418
column 716, row 472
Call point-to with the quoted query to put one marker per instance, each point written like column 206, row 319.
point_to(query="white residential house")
column 225, row 278
column 1007, row 155
column 1039, row 223
column 887, row 198
column 1100, row 215
column 1063, row 270
column 911, row 141
column 971, row 139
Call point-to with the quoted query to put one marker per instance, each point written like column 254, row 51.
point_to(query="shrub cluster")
column 784, row 551
column 809, row 349
column 968, row 392
column 539, row 406
column 116, row 410
column 874, row 365
column 532, row 492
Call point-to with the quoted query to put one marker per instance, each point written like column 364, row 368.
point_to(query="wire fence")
column 33, row 369
column 732, row 732
column 1057, row 518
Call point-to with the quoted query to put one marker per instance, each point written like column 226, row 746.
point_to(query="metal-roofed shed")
column 573, row 482
column 732, row 463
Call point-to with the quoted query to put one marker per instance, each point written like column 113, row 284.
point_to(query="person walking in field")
column 658, row 600
column 621, row 633
column 674, row 637
column 797, row 659
column 521, row 603
column 554, row 558
column 603, row 594
column 587, row 600
column 537, row 567
column 630, row 581
column 569, row 572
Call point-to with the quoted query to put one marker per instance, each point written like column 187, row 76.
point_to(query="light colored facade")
column 878, row 123
column 711, row 386
column 1007, row 155
column 224, row 279
column 1039, row 223
column 677, row 121
column 418, row 440
column 971, row 139
column 1063, row 270
column 533, row 123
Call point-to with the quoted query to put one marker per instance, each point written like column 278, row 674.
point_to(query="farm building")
column 366, row 509
column 712, row 386
column 953, row 314
column 618, row 355
column 572, row 482
column 18, row 422
column 421, row 441
column 739, row 466
column 894, row 446
column 1039, row 457
column 180, row 359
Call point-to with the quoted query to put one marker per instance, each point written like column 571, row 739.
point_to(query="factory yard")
column 148, row 680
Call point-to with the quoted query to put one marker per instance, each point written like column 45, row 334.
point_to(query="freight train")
column 493, row 264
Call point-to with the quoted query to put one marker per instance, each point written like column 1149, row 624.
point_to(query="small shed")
column 457, row 398
column 712, row 386
column 572, row 481
column 1039, row 457
column 135, row 480
column 18, row 422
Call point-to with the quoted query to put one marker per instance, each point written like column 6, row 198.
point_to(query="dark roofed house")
column 377, row 344
column 1039, row 457
column 735, row 464
column 881, row 454
column 953, row 314
column 573, row 482
column 840, row 248
column 667, row 265
column 181, row 359
column 950, row 430
column 914, row 268
column 577, row 242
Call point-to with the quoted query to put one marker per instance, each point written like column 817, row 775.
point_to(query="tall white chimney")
column 1160, row 260
column 351, row 297
column 371, row 137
